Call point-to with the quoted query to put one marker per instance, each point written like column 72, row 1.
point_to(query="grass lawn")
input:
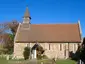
column 65, row 62
column 4, row 61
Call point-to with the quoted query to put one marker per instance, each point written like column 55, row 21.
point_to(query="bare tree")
column 13, row 26
column 8, row 38
column 3, row 27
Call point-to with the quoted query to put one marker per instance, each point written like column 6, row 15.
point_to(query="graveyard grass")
column 65, row 62
column 4, row 61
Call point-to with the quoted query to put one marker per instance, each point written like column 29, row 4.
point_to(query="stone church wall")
column 57, row 50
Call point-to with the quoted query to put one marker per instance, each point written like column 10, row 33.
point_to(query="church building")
column 56, row 39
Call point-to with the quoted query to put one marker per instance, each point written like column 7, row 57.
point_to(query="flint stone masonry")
column 54, row 50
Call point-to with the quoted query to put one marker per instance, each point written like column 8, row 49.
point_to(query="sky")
column 44, row 11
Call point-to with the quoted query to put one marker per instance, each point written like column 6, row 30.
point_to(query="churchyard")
column 4, row 60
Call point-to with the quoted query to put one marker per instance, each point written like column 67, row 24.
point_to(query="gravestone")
column 7, row 57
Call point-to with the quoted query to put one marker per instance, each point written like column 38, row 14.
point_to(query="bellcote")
column 26, row 18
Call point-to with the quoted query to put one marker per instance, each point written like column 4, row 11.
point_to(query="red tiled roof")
column 49, row 33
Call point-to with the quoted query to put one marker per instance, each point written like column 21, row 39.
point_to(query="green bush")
column 39, row 56
column 42, row 57
column 26, row 53
column 45, row 57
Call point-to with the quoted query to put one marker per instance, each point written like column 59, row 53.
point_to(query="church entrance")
column 37, row 51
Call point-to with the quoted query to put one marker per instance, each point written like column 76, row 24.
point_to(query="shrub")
column 39, row 56
column 26, row 53
column 42, row 57
column 45, row 57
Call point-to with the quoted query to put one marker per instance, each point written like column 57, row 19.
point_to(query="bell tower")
column 26, row 18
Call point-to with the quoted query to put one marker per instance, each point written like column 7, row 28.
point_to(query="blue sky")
column 44, row 11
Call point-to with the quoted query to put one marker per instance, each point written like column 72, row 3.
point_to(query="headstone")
column 41, row 62
column 7, row 57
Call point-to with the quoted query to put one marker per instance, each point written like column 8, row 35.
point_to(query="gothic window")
column 49, row 46
column 65, row 51
column 74, row 47
column 60, row 47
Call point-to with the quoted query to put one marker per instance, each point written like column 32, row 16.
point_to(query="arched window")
column 65, row 51
column 60, row 47
column 49, row 46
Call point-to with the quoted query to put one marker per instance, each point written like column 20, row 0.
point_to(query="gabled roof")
column 48, row 33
